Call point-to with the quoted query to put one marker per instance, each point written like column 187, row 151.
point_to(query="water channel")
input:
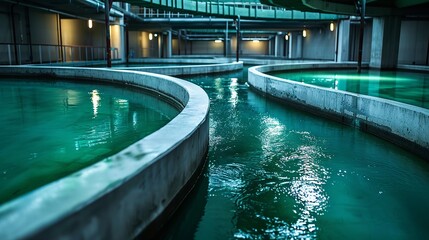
column 275, row 172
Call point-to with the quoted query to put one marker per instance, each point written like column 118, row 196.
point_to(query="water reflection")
column 233, row 86
column 59, row 128
column 264, row 178
column 95, row 99
column 286, row 193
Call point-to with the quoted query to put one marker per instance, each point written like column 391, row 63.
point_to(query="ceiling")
column 68, row 8
column 348, row 7
column 95, row 9
column 85, row 9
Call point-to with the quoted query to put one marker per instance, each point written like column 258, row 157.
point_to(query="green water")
column 406, row 87
column 52, row 129
column 277, row 173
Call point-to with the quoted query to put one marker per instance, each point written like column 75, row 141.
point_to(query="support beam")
column 237, row 27
column 276, row 45
column 169, row 44
column 385, row 42
column 225, row 42
column 179, row 41
column 107, row 25
column 12, row 15
column 290, row 47
column 343, row 41
column 127, row 44
column 362, row 5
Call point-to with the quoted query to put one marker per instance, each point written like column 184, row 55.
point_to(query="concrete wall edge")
column 122, row 195
column 403, row 124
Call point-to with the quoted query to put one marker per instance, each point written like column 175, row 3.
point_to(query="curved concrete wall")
column 190, row 69
column 125, row 194
column 403, row 124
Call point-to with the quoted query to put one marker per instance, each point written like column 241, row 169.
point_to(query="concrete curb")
column 191, row 69
column 403, row 124
column 120, row 196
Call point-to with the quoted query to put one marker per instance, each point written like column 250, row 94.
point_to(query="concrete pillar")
column 295, row 45
column 179, row 41
column 122, row 48
column 186, row 42
column 169, row 44
column 343, row 41
column 285, row 46
column 290, row 45
column 276, row 45
column 385, row 42
column 298, row 46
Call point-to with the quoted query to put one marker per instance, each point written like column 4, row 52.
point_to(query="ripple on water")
column 282, row 196
column 226, row 178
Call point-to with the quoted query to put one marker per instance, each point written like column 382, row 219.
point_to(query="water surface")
column 402, row 86
column 277, row 173
column 52, row 129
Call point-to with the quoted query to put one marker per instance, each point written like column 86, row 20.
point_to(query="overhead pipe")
column 99, row 5
column 48, row 10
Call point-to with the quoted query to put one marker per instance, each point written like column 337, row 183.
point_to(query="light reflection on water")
column 277, row 173
column 52, row 129
column 289, row 189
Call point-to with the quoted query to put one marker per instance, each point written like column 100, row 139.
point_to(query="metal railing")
column 145, row 12
column 11, row 54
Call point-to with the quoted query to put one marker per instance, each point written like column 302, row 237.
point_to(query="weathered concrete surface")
column 183, row 59
column 122, row 195
column 385, row 42
column 403, row 124
column 190, row 69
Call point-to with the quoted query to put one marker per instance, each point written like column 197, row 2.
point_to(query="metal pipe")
column 14, row 33
column 361, row 32
column 106, row 19
column 99, row 5
column 186, row 42
column 225, row 42
column 40, row 54
column 28, row 27
column 127, row 44
column 9, row 54
column 49, row 54
column 238, row 38
column 179, row 41
column 337, row 33
column 60, row 39
column 427, row 54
